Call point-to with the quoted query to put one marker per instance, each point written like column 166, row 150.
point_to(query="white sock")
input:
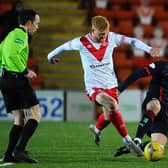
column 96, row 130
column 126, row 139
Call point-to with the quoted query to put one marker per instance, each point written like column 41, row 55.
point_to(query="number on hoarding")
column 43, row 106
column 58, row 103
column 49, row 107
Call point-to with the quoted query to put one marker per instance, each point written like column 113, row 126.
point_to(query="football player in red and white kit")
column 96, row 49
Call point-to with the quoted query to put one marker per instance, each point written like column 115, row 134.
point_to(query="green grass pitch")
column 70, row 145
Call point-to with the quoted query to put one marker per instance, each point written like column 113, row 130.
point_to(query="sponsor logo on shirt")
column 98, row 65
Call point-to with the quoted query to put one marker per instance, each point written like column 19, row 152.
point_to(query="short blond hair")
column 100, row 23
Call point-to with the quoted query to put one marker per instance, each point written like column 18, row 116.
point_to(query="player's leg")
column 153, row 108
column 110, row 109
column 96, row 129
column 9, row 92
column 28, row 130
column 14, row 135
column 124, row 150
column 159, row 137
column 158, row 131
column 110, row 105
column 102, row 121
column 29, row 102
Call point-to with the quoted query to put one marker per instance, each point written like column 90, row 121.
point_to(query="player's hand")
column 155, row 52
column 54, row 60
column 31, row 74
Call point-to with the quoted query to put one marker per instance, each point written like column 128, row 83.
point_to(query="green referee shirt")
column 14, row 51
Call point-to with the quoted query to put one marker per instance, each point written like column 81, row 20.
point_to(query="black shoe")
column 9, row 159
column 120, row 151
column 23, row 156
column 124, row 150
column 134, row 148
column 142, row 145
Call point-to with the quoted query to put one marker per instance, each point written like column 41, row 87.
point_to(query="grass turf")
column 70, row 145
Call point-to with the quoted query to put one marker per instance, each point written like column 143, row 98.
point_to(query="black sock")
column 14, row 136
column 145, row 124
column 27, row 132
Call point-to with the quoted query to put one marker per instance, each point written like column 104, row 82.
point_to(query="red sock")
column 101, row 123
column 118, row 121
column 150, row 114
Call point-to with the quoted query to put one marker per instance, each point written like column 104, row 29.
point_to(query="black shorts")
column 18, row 93
column 160, row 124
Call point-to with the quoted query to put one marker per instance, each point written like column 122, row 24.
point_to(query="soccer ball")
column 154, row 151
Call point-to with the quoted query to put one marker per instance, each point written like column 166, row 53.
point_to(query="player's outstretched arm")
column 73, row 44
column 139, row 73
column 53, row 55
column 153, row 51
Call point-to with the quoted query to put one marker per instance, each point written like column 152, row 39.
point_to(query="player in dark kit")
column 154, row 120
column 16, row 90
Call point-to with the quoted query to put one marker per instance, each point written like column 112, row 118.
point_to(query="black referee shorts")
column 18, row 93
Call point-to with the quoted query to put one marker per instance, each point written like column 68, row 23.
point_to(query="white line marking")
column 6, row 164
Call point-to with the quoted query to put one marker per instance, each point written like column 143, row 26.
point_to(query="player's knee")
column 114, row 106
column 35, row 113
column 18, row 117
column 108, row 102
column 19, row 121
column 159, row 137
column 154, row 105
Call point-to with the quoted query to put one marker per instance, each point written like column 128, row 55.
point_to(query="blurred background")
column 60, row 87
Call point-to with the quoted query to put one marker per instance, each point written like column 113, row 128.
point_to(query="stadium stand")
column 8, row 15
column 103, row 12
column 56, row 27
column 126, row 27
column 54, row 31
column 124, row 19
column 123, row 15
column 164, row 25
column 5, row 6
column 139, row 62
column 8, row 21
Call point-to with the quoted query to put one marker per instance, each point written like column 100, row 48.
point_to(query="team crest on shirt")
column 19, row 41
column 152, row 65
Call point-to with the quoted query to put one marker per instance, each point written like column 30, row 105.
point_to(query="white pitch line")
column 6, row 164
